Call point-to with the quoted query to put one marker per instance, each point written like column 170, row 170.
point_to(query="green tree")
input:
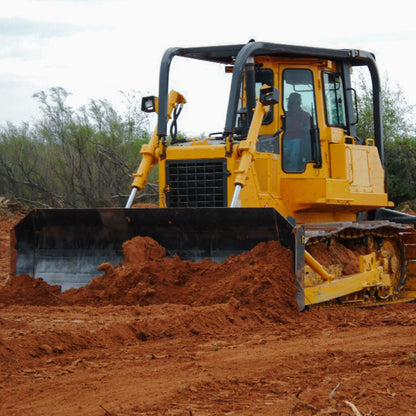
column 73, row 158
column 401, row 169
column 398, row 115
column 399, row 136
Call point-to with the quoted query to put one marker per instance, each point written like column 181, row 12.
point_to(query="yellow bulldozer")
column 288, row 166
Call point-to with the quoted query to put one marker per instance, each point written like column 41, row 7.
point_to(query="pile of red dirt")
column 338, row 254
column 12, row 209
column 10, row 213
column 6, row 224
column 24, row 289
column 262, row 279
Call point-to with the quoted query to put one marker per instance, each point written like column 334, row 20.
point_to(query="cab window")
column 334, row 99
column 299, row 119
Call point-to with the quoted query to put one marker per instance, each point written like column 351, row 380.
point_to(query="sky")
column 95, row 49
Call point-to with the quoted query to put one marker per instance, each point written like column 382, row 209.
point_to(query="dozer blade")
column 65, row 246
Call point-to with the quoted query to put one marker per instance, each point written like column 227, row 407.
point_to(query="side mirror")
column 269, row 95
column 149, row 104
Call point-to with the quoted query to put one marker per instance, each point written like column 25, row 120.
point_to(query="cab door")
column 300, row 139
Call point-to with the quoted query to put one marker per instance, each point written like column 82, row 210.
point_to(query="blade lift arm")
column 152, row 151
column 247, row 148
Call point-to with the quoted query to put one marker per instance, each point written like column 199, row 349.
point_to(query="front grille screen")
column 196, row 183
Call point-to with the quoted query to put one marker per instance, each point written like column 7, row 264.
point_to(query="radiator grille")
column 196, row 183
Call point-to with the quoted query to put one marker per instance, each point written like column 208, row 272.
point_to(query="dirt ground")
column 161, row 336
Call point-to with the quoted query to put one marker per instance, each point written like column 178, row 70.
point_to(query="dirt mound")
column 6, row 224
column 141, row 249
column 12, row 209
column 10, row 213
column 144, row 205
column 408, row 207
column 30, row 291
column 337, row 253
column 262, row 279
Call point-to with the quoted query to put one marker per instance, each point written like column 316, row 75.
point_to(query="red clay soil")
column 163, row 336
column 337, row 253
column 6, row 223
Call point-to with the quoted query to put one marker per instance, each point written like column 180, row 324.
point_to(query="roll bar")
column 238, row 55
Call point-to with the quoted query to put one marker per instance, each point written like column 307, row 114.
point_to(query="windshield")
column 205, row 86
